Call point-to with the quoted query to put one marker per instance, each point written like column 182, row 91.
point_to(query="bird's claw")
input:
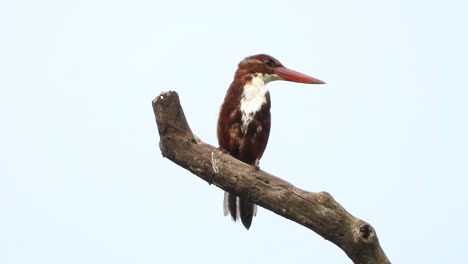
column 223, row 150
column 257, row 165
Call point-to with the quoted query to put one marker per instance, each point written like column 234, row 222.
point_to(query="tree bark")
column 317, row 211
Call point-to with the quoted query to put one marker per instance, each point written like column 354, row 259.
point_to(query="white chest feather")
column 253, row 97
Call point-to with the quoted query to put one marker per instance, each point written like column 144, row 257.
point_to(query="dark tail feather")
column 247, row 211
column 232, row 206
column 239, row 208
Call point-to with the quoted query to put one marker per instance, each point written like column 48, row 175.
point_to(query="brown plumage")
column 244, row 120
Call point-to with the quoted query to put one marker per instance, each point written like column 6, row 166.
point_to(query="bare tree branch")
column 317, row 211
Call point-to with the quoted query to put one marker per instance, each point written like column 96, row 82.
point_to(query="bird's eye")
column 270, row 62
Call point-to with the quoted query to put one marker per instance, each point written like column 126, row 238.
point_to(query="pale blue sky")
column 82, row 179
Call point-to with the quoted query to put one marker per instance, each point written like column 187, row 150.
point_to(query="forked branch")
column 317, row 211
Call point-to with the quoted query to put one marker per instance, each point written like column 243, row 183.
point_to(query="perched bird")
column 244, row 119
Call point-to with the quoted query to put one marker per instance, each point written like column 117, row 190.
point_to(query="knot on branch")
column 365, row 231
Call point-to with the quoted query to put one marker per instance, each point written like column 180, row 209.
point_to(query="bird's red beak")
column 294, row 76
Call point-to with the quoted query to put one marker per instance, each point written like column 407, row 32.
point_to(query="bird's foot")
column 257, row 165
column 223, row 150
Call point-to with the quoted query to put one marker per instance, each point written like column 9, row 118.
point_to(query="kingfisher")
column 244, row 120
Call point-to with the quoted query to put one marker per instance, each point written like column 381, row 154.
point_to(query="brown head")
column 270, row 69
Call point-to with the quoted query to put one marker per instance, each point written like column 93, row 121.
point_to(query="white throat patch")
column 253, row 97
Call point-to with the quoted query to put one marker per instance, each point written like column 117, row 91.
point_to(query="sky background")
column 82, row 179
